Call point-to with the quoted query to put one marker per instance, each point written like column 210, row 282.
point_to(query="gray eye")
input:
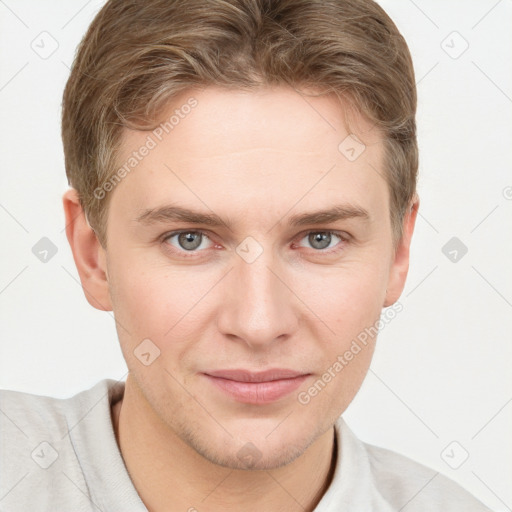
column 320, row 240
column 190, row 241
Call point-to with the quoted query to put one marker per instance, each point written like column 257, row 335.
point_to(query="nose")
column 258, row 308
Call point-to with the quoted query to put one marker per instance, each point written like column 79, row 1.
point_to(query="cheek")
column 350, row 305
column 156, row 303
column 346, row 299
column 176, row 308
column 351, row 310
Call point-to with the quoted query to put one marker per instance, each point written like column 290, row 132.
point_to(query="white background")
column 441, row 371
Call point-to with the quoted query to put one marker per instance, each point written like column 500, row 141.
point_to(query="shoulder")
column 368, row 477
column 25, row 414
column 28, row 416
column 38, row 458
column 408, row 483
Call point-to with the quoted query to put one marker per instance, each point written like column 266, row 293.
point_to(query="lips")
column 256, row 387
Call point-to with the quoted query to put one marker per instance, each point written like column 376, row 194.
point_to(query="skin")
column 255, row 159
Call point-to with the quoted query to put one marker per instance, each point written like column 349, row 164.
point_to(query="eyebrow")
column 339, row 212
column 176, row 213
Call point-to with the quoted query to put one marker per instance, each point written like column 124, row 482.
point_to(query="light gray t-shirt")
column 61, row 455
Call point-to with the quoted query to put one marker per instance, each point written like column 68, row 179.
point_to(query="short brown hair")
column 139, row 54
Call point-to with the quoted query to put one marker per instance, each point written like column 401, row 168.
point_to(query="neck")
column 167, row 472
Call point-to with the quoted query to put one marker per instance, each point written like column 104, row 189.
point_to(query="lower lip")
column 257, row 392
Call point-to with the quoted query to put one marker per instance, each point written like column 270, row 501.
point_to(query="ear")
column 89, row 255
column 400, row 264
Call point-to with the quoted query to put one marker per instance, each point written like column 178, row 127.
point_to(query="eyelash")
column 344, row 238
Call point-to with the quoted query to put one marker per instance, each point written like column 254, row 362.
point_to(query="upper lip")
column 240, row 375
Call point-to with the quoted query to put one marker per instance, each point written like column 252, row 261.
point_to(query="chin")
column 250, row 457
column 264, row 452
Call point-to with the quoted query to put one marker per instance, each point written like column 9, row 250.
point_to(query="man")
column 243, row 199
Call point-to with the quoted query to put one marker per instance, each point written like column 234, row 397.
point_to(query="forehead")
column 248, row 149
column 278, row 117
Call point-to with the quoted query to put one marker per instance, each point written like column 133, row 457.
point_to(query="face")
column 250, row 252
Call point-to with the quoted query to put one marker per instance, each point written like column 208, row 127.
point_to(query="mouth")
column 256, row 388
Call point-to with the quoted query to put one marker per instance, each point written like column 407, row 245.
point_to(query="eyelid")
column 343, row 235
column 166, row 236
column 170, row 234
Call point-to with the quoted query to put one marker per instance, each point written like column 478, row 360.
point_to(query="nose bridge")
column 259, row 309
column 256, row 283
